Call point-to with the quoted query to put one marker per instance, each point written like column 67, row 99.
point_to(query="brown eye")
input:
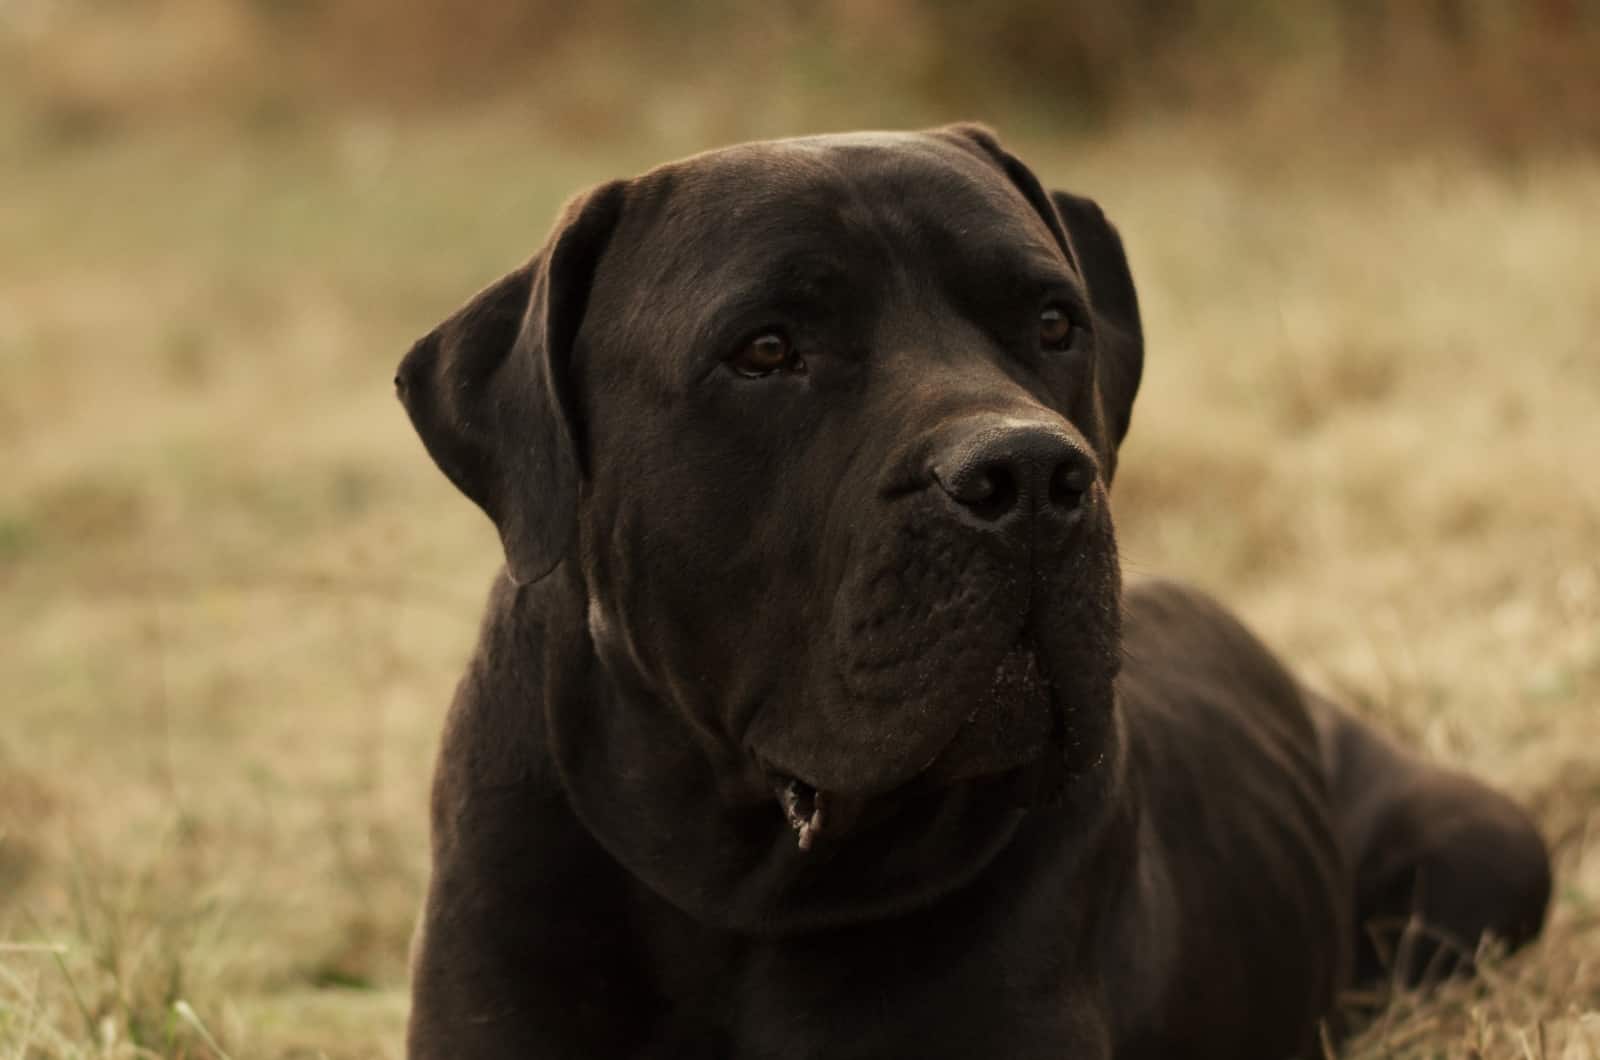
column 766, row 353
column 1055, row 329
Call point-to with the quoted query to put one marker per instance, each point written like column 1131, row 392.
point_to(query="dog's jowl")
column 811, row 716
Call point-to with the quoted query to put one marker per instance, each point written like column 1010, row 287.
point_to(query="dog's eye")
column 1056, row 329
column 768, row 352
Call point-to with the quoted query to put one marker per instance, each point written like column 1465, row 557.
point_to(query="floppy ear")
column 489, row 390
column 1120, row 337
column 1092, row 243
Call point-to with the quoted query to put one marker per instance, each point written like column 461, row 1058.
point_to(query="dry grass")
column 234, row 596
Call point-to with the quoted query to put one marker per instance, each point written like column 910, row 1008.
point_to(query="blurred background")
column 235, row 595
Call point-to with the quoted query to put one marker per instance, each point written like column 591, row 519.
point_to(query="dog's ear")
column 1120, row 337
column 489, row 390
column 1094, row 246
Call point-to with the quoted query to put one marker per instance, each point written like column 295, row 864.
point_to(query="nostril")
column 989, row 492
column 1070, row 484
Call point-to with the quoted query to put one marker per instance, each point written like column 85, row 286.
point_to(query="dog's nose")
column 997, row 473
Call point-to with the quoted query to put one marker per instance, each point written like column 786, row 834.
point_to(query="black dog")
column 811, row 718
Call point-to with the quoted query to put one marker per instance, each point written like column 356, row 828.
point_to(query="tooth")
column 806, row 810
column 789, row 799
column 814, row 824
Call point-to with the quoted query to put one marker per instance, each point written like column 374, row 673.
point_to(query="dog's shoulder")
column 1173, row 608
column 1177, row 635
column 493, row 750
column 1225, row 755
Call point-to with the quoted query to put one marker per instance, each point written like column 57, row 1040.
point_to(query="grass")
column 234, row 596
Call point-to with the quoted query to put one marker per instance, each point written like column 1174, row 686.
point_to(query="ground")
column 234, row 594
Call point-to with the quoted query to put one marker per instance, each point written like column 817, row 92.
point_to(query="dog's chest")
column 981, row 979
column 923, row 1014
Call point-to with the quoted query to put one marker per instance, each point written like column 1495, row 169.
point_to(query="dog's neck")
column 639, row 777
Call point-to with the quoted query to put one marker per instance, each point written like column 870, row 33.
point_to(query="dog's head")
column 825, row 427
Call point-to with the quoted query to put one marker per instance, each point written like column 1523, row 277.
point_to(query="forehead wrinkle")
column 951, row 224
column 926, row 195
column 749, row 205
column 858, row 212
column 761, row 227
column 889, row 191
column 790, row 283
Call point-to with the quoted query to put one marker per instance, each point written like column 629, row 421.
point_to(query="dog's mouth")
column 813, row 812
column 804, row 807
column 1019, row 750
